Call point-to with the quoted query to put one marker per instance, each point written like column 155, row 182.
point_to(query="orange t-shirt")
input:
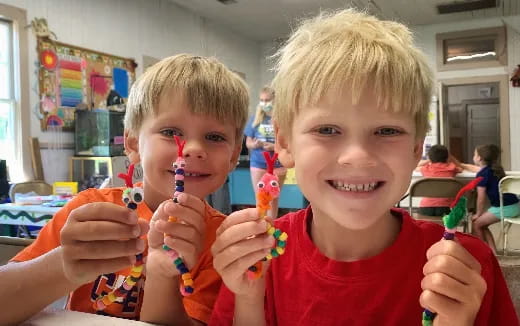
column 438, row 170
column 206, row 280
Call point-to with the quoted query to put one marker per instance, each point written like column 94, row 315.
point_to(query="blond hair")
column 352, row 49
column 208, row 87
column 260, row 114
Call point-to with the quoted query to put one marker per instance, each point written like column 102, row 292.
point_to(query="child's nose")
column 357, row 155
column 194, row 149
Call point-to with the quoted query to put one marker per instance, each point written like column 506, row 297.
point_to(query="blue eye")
column 171, row 132
column 215, row 137
column 388, row 131
column 327, row 130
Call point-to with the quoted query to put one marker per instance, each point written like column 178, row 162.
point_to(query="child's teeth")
column 340, row 185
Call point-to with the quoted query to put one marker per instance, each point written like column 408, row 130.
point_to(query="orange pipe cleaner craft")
column 268, row 189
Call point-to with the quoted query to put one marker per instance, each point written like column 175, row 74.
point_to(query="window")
column 7, row 98
column 471, row 49
column 14, row 93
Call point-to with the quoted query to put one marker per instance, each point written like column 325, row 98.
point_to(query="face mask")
column 266, row 106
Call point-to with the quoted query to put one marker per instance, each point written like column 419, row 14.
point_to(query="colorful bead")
column 283, row 237
column 179, row 188
column 179, row 183
column 127, row 286
column 271, row 230
column 188, row 282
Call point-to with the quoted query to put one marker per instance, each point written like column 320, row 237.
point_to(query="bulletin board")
column 72, row 77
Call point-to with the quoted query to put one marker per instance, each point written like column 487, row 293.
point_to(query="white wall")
column 426, row 39
column 131, row 28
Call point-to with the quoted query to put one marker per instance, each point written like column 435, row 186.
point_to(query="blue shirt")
column 490, row 182
column 263, row 132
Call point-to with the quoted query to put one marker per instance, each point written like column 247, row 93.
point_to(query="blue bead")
column 188, row 289
column 184, row 270
column 179, row 171
column 253, row 268
column 179, row 189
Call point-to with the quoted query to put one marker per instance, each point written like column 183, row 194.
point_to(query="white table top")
column 29, row 208
column 51, row 317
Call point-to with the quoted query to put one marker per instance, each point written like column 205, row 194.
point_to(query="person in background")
column 487, row 166
column 259, row 138
column 438, row 165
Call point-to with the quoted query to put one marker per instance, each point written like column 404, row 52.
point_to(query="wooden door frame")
column 503, row 82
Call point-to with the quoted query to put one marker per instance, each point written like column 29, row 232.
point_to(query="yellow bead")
column 112, row 297
column 135, row 274
column 271, row 230
column 137, row 269
column 283, row 236
column 280, row 250
column 106, row 300
column 186, row 276
column 188, row 282
column 129, row 281
column 269, row 257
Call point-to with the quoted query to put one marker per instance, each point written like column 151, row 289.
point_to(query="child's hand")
column 452, row 285
column 100, row 238
column 186, row 236
column 258, row 143
column 241, row 242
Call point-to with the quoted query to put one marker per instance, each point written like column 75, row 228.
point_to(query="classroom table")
column 52, row 317
column 29, row 215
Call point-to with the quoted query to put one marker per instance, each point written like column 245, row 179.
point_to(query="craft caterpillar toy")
column 132, row 196
column 187, row 287
column 268, row 190
column 457, row 213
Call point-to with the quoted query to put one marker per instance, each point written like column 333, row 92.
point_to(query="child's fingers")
column 244, row 215
column 186, row 215
column 238, row 233
column 237, row 268
column 454, row 249
column 241, row 249
column 192, row 202
column 103, row 249
column 98, row 230
column 452, row 267
column 446, row 286
column 438, row 303
column 103, row 212
column 83, row 271
column 186, row 249
column 179, row 231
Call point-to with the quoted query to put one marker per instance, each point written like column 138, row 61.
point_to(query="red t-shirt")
column 304, row 287
column 439, row 170
column 206, row 280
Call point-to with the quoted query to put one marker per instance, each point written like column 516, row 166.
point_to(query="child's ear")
column 281, row 146
column 418, row 150
column 132, row 147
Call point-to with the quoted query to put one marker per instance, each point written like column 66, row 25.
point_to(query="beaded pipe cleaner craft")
column 457, row 213
column 268, row 189
column 132, row 196
column 187, row 287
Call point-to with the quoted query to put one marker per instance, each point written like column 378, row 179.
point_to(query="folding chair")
column 435, row 188
column 10, row 246
column 508, row 185
column 40, row 187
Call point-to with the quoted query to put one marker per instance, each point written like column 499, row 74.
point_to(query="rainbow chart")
column 70, row 81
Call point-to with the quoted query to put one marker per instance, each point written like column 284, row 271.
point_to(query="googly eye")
column 175, row 166
column 183, row 165
column 137, row 195
column 261, row 185
column 274, row 183
column 126, row 197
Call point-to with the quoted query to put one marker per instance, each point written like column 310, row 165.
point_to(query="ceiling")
column 264, row 20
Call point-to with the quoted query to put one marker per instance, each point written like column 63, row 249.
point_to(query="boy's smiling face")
column 353, row 162
column 211, row 150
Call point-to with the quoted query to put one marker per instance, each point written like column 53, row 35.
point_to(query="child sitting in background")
column 486, row 158
column 438, row 166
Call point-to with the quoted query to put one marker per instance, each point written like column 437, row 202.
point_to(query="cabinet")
column 91, row 171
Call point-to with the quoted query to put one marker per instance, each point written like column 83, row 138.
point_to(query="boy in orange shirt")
column 90, row 244
column 438, row 166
